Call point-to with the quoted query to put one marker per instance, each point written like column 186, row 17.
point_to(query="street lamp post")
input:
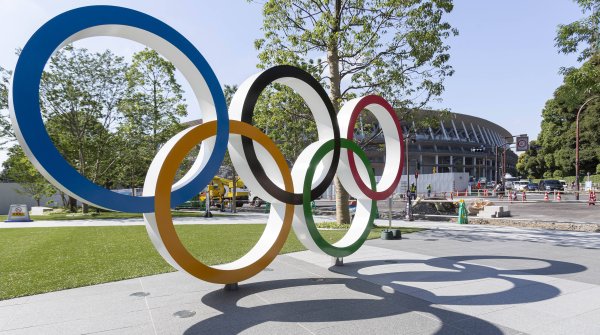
column 577, row 144
column 409, row 215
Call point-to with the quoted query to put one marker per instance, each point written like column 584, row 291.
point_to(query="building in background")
column 454, row 143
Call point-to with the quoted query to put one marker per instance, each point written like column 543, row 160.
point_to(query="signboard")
column 18, row 213
column 588, row 185
column 522, row 143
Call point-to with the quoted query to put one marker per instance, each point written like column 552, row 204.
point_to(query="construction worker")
column 428, row 190
column 413, row 191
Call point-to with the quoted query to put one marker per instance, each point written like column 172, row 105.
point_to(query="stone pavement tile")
column 404, row 323
column 590, row 317
column 570, row 305
column 472, row 310
column 519, row 318
column 166, row 322
column 568, row 327
column 565, row 286
column 519, row 294
column 478, row 326
column 464, row 290
column 15, row 301
column 272, row 327
column 114, row 289
column 426, row 289
column 6, row 314
column 46, row 311
column 172, row 282
column 93, row 324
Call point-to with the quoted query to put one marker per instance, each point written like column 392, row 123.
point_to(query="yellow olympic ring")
column 260, row 255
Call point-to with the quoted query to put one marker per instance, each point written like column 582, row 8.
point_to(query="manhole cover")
column 139, row 294
column 184, row 314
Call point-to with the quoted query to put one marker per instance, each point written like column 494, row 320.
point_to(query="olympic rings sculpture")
column 255, row 156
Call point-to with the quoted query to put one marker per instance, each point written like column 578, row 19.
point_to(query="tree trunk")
column 342, row 212
column 72, row 204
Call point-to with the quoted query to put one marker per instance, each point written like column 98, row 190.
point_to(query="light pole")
column 409, row 215
column 577, row 145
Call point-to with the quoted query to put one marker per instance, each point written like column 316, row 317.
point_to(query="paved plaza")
column 450, row 279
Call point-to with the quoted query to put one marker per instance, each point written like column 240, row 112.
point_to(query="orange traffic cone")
column 546, row 198
column 558, row 197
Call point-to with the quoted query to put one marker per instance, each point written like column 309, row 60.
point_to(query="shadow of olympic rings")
column 356, row 306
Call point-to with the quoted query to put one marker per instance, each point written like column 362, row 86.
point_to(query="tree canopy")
column 6, row 133
column 106, row 117
column 392, row 48
column 17, row 168
column 557, row 136
column 583, row 35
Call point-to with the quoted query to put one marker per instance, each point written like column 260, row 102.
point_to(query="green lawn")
column 37, row 260
column 108, row 215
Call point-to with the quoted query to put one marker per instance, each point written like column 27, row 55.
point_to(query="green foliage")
column 531, row 163
column 580, row 89
column 6, row 134
column 18, row 169
column 582, row 35
column 293, row 129
column 80, row 93
column 151, row 108
column 557, row 174
column 106, row 118
column 4, row 75
column 392, row 48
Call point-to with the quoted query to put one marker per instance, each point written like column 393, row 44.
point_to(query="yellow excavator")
column 221, row 193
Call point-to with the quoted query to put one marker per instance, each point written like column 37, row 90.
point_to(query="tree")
column 18, row 169
column 299, row 129
column 6, row 133
column 80, row 93
column 155, row 99
column 392, row 48
column 152, row 109
column 557, row 136
column 583, row 34
column 530, row 163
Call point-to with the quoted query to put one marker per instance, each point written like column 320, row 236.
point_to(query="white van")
column 520, row 185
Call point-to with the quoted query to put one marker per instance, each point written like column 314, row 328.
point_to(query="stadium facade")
column 445, row 146
column 454, row 143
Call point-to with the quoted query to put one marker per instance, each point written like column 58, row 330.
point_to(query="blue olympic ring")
column 28, row 119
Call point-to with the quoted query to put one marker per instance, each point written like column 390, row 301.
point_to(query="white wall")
column 440, row 182
column 9, row 196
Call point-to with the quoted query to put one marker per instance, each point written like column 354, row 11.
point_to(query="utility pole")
column 577, row 144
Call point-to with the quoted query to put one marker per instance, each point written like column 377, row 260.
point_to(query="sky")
column 506, row 64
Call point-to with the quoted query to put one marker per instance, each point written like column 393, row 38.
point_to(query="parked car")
column 520, row 185
column 564, row 184
column 533, row 187
column 551, row 185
